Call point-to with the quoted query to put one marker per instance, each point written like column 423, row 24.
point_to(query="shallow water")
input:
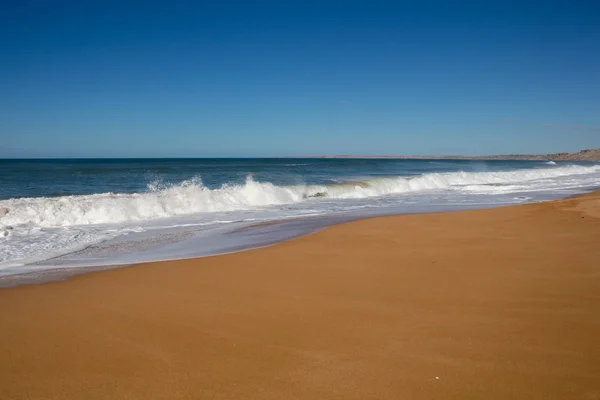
column 76, row 213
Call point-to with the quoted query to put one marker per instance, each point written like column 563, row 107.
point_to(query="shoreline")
column 61, row 273
column 151, row 225
column 496, row 303
column 589, row 155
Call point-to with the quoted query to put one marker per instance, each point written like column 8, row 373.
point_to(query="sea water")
column 88, row 212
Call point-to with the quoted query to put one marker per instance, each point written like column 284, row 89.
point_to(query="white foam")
column 192, row 196
column 47, row 227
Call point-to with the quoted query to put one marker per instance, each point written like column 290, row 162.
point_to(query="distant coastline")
column 583, row 155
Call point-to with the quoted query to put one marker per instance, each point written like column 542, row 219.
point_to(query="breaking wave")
column 192, row 196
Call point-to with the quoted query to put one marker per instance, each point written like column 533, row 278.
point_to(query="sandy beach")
column 493, row 304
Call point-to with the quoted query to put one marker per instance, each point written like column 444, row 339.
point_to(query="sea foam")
column 191, row 196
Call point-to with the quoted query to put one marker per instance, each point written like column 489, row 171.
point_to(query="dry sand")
column 493, row 304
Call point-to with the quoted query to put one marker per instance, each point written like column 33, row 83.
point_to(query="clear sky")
column 220, row 78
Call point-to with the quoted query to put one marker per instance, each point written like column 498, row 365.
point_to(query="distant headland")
column 583, row 155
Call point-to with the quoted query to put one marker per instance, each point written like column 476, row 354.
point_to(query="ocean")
column 90, row 212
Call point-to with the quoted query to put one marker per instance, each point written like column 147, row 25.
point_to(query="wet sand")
column 491, row 304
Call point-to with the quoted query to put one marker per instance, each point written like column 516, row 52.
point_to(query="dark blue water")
column 98, row 211
column 66, row 177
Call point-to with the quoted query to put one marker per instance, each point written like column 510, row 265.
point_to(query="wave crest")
column 192, row 196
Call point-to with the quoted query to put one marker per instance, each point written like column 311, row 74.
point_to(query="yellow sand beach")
column 491, row 304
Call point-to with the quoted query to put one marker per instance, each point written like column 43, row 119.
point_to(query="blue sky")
column 203, row 79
